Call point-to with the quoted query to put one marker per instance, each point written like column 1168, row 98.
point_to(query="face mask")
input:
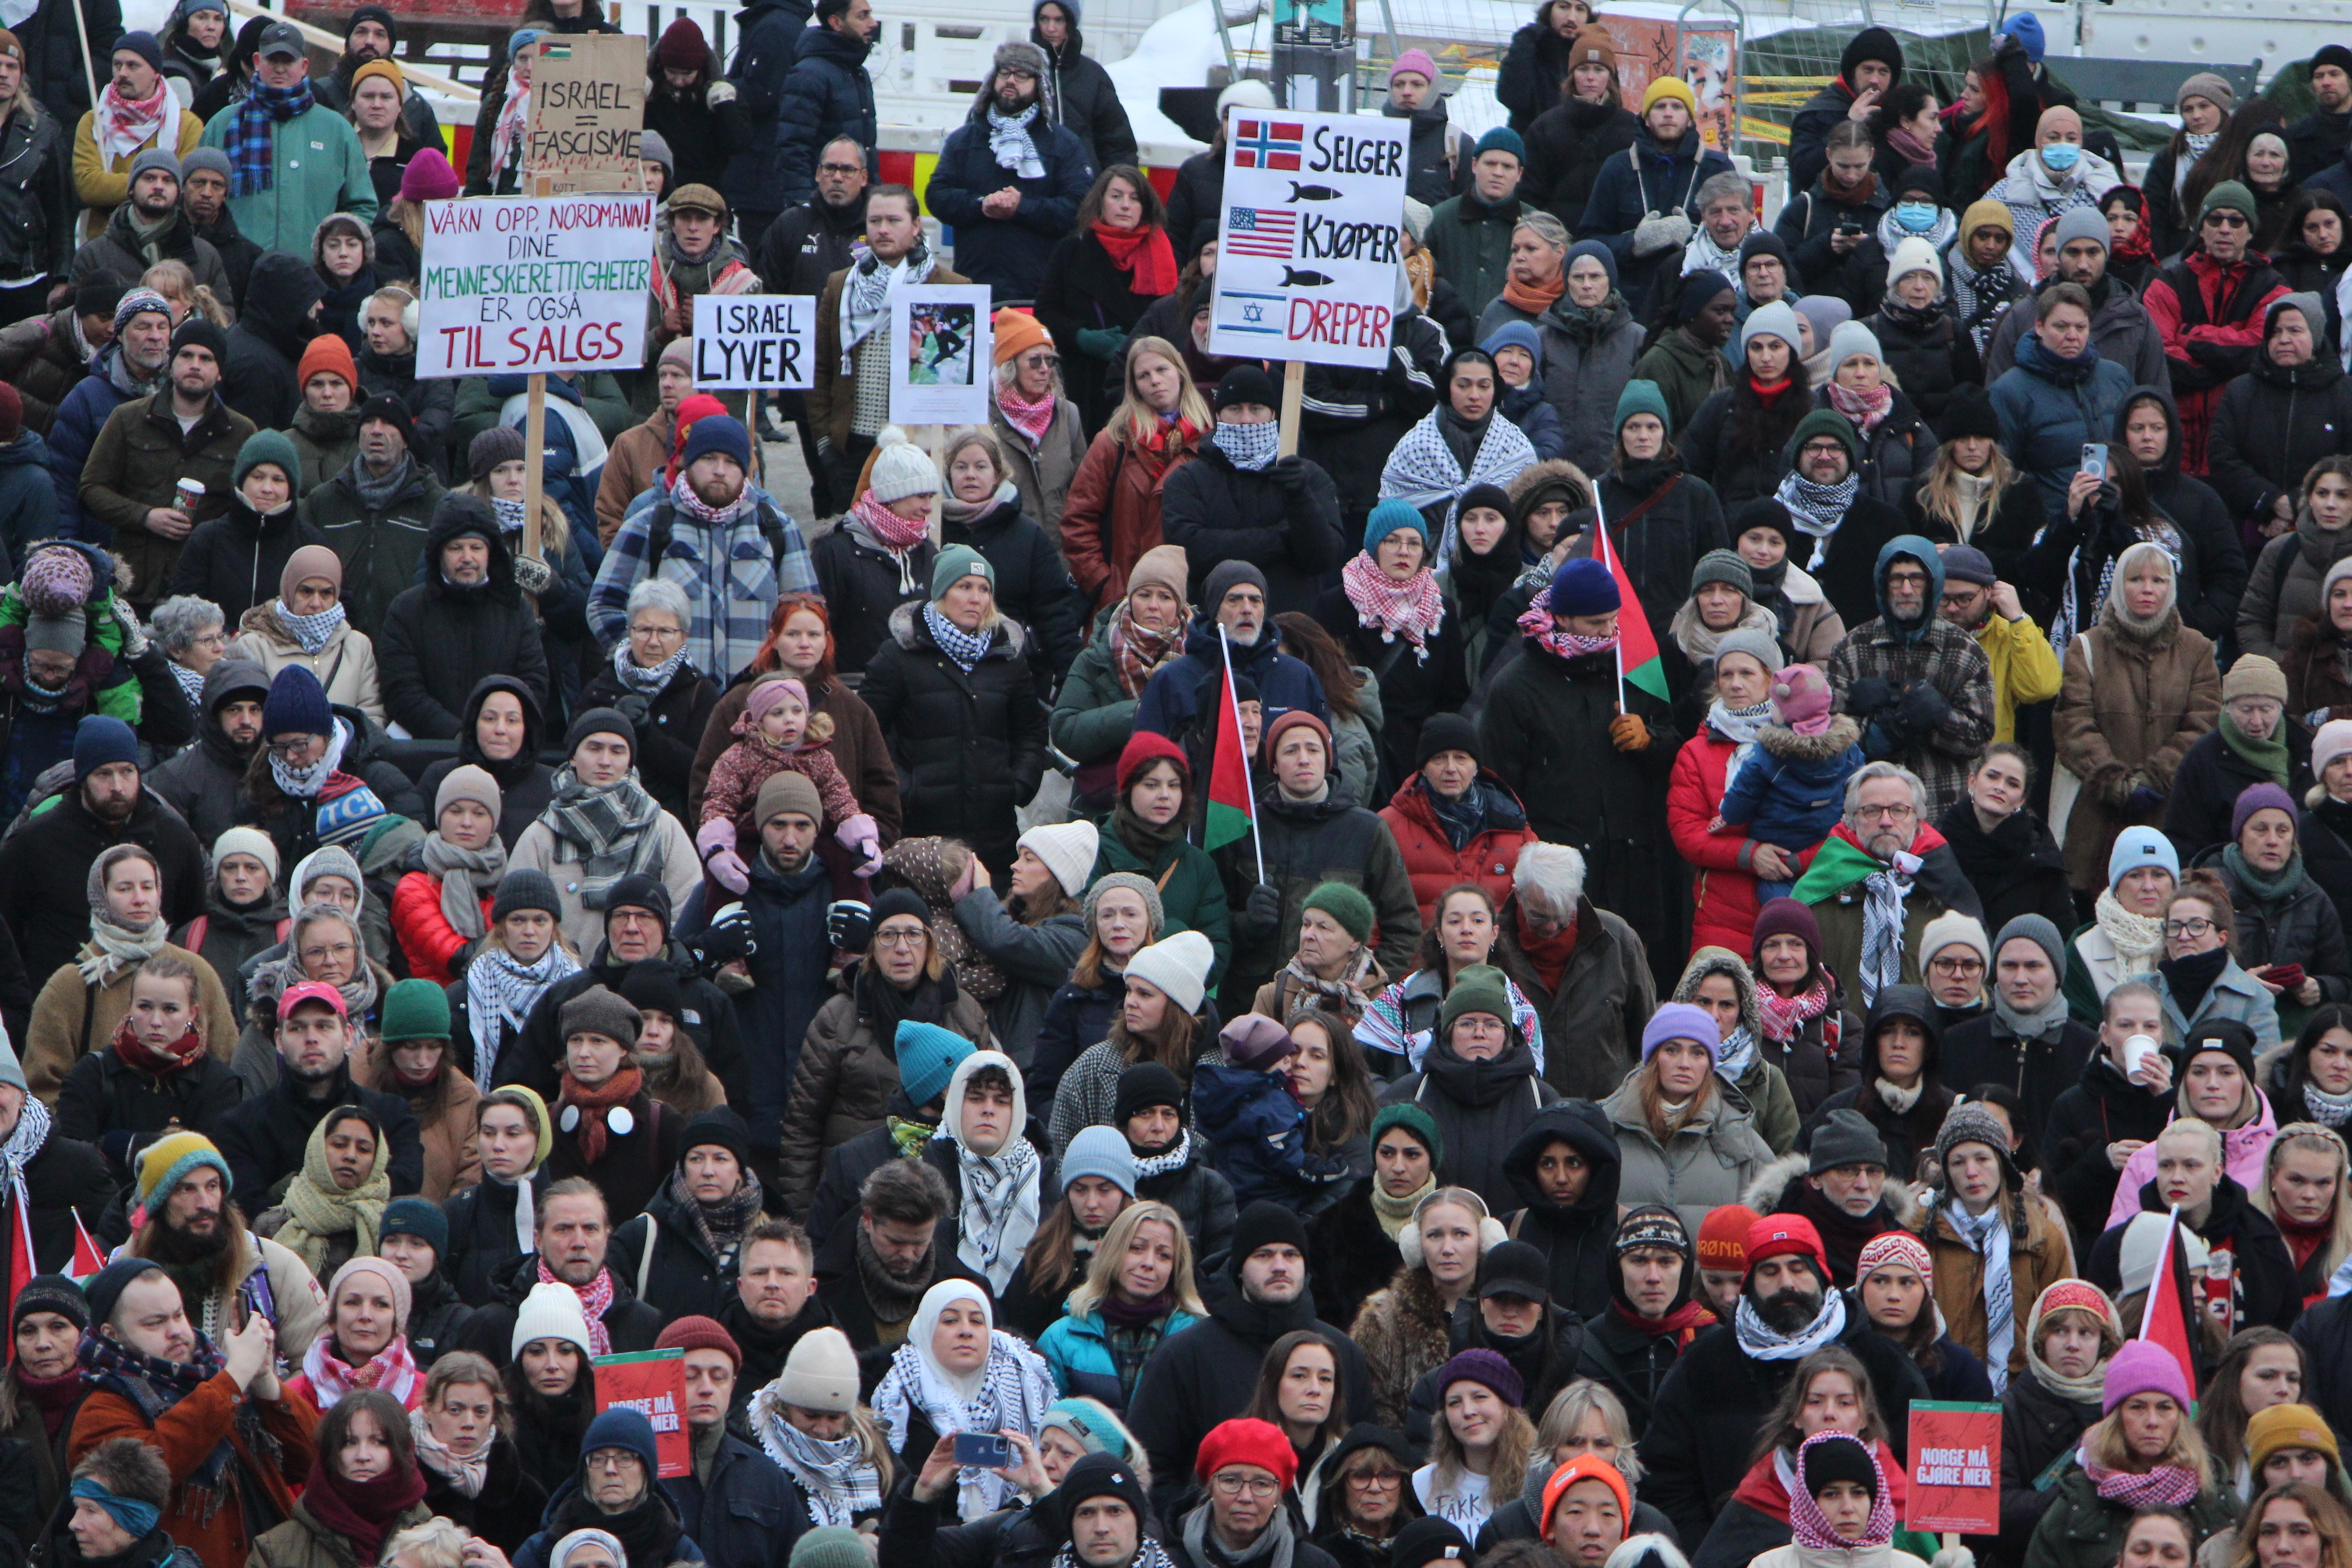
column 2061, row 156
column 1249, row 446
column 1914, row 217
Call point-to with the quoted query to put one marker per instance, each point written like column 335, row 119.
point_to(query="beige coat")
column 345, row 666
column 2131, row 705
column 57, row 1037
column 1043, row 473
column 453, row 1148
column 538, row 848
column 2040, row 1260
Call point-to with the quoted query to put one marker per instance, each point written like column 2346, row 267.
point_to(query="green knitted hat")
column 1415, row 1120
column 1822, row 422
column 266, row 447
column 1345, row 904
column 956, row 562
column 2231, row 195
column 833, row 1546
column 415, row 1010
column 1477, row 989
column 1642, row 397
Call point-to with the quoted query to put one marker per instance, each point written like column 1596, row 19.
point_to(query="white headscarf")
column 1002, row 1200
column 1011, row 1390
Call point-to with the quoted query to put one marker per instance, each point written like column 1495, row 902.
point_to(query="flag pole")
column 1601, row 553
column 2164, row 1268
column 1233, row 714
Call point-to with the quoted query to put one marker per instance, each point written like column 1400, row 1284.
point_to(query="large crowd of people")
column 443, row 948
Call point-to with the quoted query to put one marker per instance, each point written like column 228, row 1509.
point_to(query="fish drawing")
column 1299, row 193
column 1292, row 278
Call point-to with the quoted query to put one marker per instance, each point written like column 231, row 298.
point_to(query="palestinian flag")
column 1637, row 644
column 1233, row 811
column 2166, row 1323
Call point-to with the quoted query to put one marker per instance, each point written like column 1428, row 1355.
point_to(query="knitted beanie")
column 1143, row 886
column 697, row 1333
column 1069, row 850
column 597, row 1011
column 471, row 782
column 901, row 469
column 1346, row 904
column 821, row 1374
column 928, row 1055
column 2253, row 675
column 525, row 888
column 415, row 1010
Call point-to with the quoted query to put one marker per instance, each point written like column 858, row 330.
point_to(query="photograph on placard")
column 939, row 374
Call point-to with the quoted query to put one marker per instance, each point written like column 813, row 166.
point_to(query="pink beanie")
column 2143, row 1366
column 767, row 693
column 1414, row 61
column 1800, row 697
column 57, row 582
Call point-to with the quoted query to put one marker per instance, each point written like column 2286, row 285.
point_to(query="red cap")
column 1146, row 747
column 1723, row 1238
column 1783, row 1233
column 1584, row 1468
column 294, row 996
column 1241, row 1441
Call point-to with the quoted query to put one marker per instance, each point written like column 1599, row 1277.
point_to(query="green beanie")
column 1480, row 988
column 267, row 446
column 1642, row 397
column 1821, row 422
column 1415, row 1120
column 834, row 1546
column 956, row 562
column 415, row 1010
column 2231, row 195
column 1345, row 904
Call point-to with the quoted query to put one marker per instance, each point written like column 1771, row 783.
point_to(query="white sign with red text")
column 535, row 285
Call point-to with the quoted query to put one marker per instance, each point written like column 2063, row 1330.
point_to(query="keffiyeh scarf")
column 2166, row 1486
column 2197, row 144
column 967, row 648
column 1413, row 609
column 1001, row 1207
column 1173, row 1159
column 1250, row 446
column 1740, row 726
column 310, row 632
column 1702, row 253
column 127, row 125
column 500, row 990
column 1785, row 1017
column 2328, row 1110
column 1735, row 1055
column 1884, row 893
column 1032, row 419
column 1538, row 626
column 466, row 875
column 514, row 118
column 1422, row 472
column 1817, row 509
column 1010, row 143
column 634, row 677
column 594, row 1301
column 1012, row 1390
column 865, row 293
column 1761, row 1341
column 1987, row 1236
column 392, row 1369
column 1807, row 1525
column 251, row 159
column 839, row 1482
column 894, row 534
column 25, row 1141
column 1150, row 1555
column 611, row 829
column 191, row 685
column 464, row 1475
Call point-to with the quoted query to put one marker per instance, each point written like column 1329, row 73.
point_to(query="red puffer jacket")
column 1429, row 858
column 1722, row 890
column 423, row 931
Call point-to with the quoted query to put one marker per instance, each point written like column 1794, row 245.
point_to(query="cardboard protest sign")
column 655, row 1382
column 1955, row 1468
column 946, row 349
column 587, row 106
column 747, row 341
column 535, row 284
column 1307, row 238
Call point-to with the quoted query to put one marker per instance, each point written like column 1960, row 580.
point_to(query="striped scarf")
column 1988, row 1237
column 252, row 163
column 837, row 1478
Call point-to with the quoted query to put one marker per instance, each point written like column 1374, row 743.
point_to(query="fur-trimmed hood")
column 1781, row 740
column 1709, row 961
column 1542, row 475
column 1770, row 1186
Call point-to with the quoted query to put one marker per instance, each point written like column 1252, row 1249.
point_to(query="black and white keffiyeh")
column 1010, row 144
column 1421, row 470
column 837, row 1478
column 1761, row 1341
column 501, row 991
column 1012, row 1392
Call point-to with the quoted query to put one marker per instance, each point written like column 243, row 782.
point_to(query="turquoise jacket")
column 1079, row 1356
column 318, row 168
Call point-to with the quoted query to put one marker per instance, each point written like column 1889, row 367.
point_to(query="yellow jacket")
column 102, row 184
column 2024, row 669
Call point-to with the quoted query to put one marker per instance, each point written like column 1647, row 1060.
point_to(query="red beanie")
column 700, row 1333
column 1779, row 1233
column 682, row 46
column 1584, row 1468
column 1241, row 1441
column 1723, row 1238
column 1146, row 747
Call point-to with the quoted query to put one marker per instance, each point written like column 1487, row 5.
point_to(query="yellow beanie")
column 2287, row 1426
column 1669, row 87
column 170, row 1157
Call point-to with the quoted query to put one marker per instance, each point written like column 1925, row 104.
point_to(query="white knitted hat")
column 901, row 469
column 821, row 1374
column 1069, row 850
column 1914, row 255
column 1179, row 966
column 551, row 1311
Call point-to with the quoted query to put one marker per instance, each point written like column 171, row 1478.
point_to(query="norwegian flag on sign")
column 1269, row 144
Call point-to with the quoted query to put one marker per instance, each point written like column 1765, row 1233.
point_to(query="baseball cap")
column 311, row 991
column 281, row 38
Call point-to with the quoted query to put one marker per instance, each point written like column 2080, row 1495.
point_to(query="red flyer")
column 655, row 1382
column 1955, row 1468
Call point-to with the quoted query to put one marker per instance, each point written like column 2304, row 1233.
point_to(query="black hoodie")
column 525, row 784
column 202, row 783
column 441, row 639
column 1575, row 1240
column 1910, row 1133
column 273, row 324
column 236, row 559
column 2262, row 1273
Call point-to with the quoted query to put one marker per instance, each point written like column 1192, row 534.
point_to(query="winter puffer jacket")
column 2079, row 1529
column 1006, row 254
column 1435, row 862
column 1708, row 1162
column 1576, row 1239
column 1918, row 349
column 1792, row 790
column 2121, row 331
column 829, row 93
column 237, row 558
column 2038, row 1429
column 970, row 743
column 1586, row 364
column 1033, row 586
column 1481, row 1109
column 205, row 784
column 42, row 358
column 441, row 639
column 2274, row 422
column 1077, row 1350
column 2048, row 408
column 117, row 255
column 1283, row 519
column 1567, row 144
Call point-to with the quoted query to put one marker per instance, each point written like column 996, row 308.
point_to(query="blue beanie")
column 2026, row 28
column 622, row 1427
column 1390, row 515
column 928, row 1055
column 297, row 705
column 1595, row 249
column 1502, row 139
column 2138, row 846
column 1582, row 586
column 99, row 739
column 719, row 433
column 1699, row 290
column 1100, row 1152
column 419, row 1217
column 1514, row 335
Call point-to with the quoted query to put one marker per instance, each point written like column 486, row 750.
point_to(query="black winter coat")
column 970, row 743
column 103, row 1094
column 764, row 1350
column 1567, row 144
column 273, row 324
column 684, row 1279
column 2016, row 870
column 1918, row 349
column 1436, row 158
column 2038, row 1429
column 1348, row 1256
column 670, row 726
column 1895, row 452
column 66, row 1179
column 827, row 94
column 205, row 783
column 770, row 31
column 2324, row 831
column 1033, row 585
column 44, row 873
column 1849, row 577
column 58, row 65
column 1662, row 546
column 2272, row 425
column 1083, row 290
column 745, row 1514
column 439, row 640
column 1546, row 1360
column 234, row 560
column 1983, row 1049
column 2263, row 1276
column 435, row 1315
column 2301, row 927
column 1533, row 68
column 703, row 138
column 1007, row 254
column 2325, row 1333
column 1193, row 201
column 863, row 585
column 1739, row 470
column 1809, row 133
column 806, row 244
column 632, row 1325
column 239, row 254
column 1353, row 415
column 116, row 255
column 1575, row 1240
column 483, row 1248
column 37, row 201
column 1203, row 1200
column 1809, row 224
column 2103, row 1107
column 525, row 784
column 1413, row 686
column 2211, row 778
column 1283, row 519
column 842, row 1288
column 535, row 1057
column 1082, row 98
column 264, row 1139
column 1629, row 1363
column 1483, row 1109
column 506, row 1512
column 229, row 938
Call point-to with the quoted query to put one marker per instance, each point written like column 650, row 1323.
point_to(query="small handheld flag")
column 1233, row 804
column 1637, row 644
column 2166, row 1320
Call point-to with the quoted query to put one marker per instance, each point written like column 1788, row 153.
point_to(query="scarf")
column 1174, row 1158
column 1032, row 419
column 682, row 496
column 2188, row 979
column 2087, row 1389
column 131, row 1050
column 1251, row 446
column 1886, row 891
column 506, row 136
column 500, row 990
column 1785, row 1017
column 112, row 948
column 1011, row 1391
column 55, row 1397
column 2265, row 892
column 511, row 518
column 1987, row 1236
column 1762, row 1342
column 2328, row 1110
column 465, row 1476
column 1414, row 608
column 1143, row 252
column 317, row 1210
column 1978, row 297
column 1735, row 1055
column 1537, row 626
column 1272, row 1549
column 1000, row 1212
column 895, row 533
column 1682, row 1323
column 1535, row 298
column 1010, row 144
column 25, row 1141
column 1740, row 726
column 596, row 1300
column 1395, row 1214
column 1808, row 1527
column 586, row 1111
column 1914, row 150
column 893, row 1300
column 1136, row 651
column 191, row 685
column 310, row 633
column 967, row 648
column 1464, row 817
column 362, row 1512
column 837, row 1478
column 2044, row 1025
column 2138, row 939
column 1817, row 509
column 1703, row 255
column 392, row 1369
column 1150, row 1555
column 127, row 125
column 2197, row 143
column 153, row 1386
column 634, row 677
column 865, row 293
column 467, row 877
column 2166, row 1486
column 1549, row 954
column 376, row 490
column 1864, row 410
column 720, row 1225
column 2268, row 756
column 1857, row 194
column 1585, row 323
column 1424, row 470
column 252, row 162
column 611, row 830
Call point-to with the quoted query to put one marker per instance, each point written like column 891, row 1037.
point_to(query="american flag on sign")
column 1260, row 231
column 1269, row 144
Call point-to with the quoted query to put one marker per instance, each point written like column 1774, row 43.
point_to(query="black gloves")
column 1865, row 697
column 1924, row 708
column 1262, row 912
column 849, row 924
column 728, row 938
column 1289, row 472
column 633, row 707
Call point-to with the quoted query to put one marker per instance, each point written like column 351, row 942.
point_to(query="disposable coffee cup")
column 2138, row 1051
column 191, row 494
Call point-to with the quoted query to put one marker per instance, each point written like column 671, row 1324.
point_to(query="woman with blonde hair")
column 1137, row 1292
column 2144, row 1452
column 1971, row 492
column 1158, row 1020
column 176, row 281
column 1584, row 1418
column 2304, row 1191
column 982, row 507
column 1687, row 1143
column 1112, row 516
column 1406, row 1331
column 2295, row 1526
column 1481, row 1443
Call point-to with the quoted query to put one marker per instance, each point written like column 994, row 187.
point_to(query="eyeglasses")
column 1957, row 966
column 652, row 633
column 2191, row 927
column 343, row 949
column 1379, row 1481
column 842, row 169
column 898, row 938
column 1260, row 1489
column 1885, row 813
column 286, row 749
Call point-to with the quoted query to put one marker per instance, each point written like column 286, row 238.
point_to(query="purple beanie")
column 2264, row 797
column 1487, row 1367
column 1682, row 1021
column 2143, row 1366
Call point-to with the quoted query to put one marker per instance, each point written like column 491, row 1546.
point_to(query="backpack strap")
column 194, row 933
column 645, row 1260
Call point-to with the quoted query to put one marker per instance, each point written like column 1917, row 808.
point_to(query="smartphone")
column 1850, row 228
column 987, row 1450
column 2095, row 459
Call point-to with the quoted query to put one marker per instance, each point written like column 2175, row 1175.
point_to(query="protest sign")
column 747, row 341
column 587, row 106
column 1955, row 1468
column 534, row 284
column 1307, row 238
column 655, row 1382
column 946, row 349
